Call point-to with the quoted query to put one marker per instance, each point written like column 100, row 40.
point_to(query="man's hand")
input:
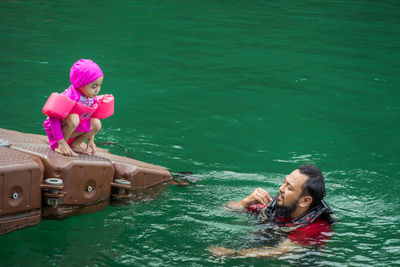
column 257, row 196
column 221, row 251
column 281, row 250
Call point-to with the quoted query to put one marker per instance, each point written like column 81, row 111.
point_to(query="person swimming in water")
column 299, row 210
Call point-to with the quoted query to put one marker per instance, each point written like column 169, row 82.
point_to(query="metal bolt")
column 53, row 181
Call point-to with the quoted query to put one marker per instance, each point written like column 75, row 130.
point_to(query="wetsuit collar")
column 268, row 214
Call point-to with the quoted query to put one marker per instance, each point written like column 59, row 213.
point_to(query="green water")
column 238, row 92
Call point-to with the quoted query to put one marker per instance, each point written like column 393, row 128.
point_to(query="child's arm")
column 55, row 126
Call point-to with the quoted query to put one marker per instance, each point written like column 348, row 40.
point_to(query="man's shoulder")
column 319, row 224
column 316, row 233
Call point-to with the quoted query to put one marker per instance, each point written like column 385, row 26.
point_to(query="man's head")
column 301, row 190
column 315, row 184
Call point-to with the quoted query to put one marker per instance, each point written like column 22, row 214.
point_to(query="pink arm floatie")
column 105, row 108
column 58, row 106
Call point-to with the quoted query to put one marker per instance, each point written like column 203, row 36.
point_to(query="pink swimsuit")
column 52, row 125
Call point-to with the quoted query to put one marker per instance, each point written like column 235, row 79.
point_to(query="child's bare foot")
column 91, row 147
column 64, row 149
column 80, row 149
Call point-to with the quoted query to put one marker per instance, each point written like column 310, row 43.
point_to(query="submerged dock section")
column 36, row 182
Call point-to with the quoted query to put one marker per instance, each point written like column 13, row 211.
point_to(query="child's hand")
column 63, row 148
column 91, row 146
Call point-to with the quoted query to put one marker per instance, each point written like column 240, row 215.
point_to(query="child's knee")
column 72, row 120
column 95, row 124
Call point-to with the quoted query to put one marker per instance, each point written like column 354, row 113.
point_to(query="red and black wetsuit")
column 314, row 228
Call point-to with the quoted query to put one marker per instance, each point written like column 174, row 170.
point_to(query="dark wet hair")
column 314, row 186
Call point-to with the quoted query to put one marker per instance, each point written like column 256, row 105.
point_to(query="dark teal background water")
column 238, row 92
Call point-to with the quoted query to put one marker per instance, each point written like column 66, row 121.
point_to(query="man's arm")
column 285, row 247
column 257, row 196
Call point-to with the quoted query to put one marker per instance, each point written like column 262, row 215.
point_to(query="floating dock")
column 36, row 182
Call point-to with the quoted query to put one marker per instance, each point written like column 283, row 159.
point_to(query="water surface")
column 238, row 92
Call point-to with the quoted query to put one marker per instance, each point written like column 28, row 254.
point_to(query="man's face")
column 290, row 193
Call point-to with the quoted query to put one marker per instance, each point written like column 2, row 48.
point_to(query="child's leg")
column 69, row 126
column 95, row 126
column 68, row 129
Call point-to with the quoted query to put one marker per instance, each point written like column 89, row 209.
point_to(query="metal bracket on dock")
column 120, row 188
column 53, row 191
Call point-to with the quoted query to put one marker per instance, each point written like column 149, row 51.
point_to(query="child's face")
column 92, row 89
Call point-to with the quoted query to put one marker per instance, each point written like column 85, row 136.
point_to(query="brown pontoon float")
column 21, row 198
column 36, row 182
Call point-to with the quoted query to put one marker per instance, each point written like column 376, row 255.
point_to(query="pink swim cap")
column 83, row 72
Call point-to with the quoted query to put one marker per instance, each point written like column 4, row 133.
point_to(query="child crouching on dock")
column 74, row 116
